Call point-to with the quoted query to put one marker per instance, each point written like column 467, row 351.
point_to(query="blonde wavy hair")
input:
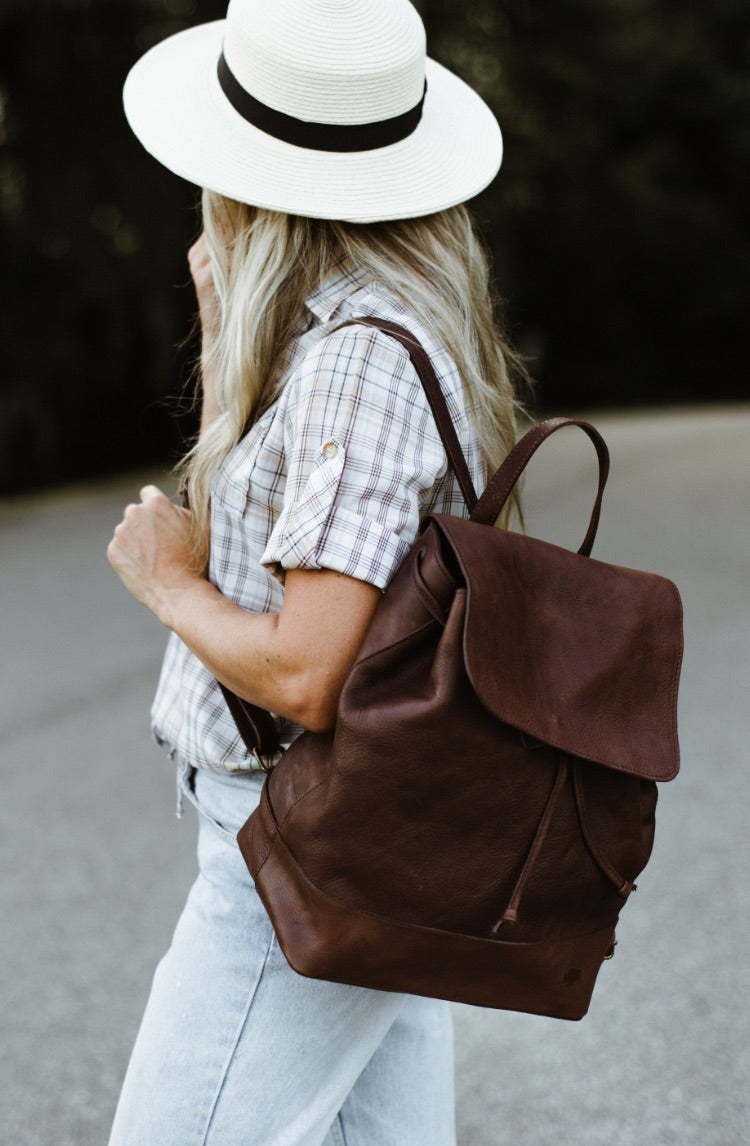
column 265, row 264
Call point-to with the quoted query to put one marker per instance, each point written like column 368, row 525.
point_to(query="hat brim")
column 175, row 106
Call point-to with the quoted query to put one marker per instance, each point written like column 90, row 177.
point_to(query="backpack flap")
column 576, row 653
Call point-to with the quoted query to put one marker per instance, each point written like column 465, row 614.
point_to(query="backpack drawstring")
column 510, row 915
column 624, row 886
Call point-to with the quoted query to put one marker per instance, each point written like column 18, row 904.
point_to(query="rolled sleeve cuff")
column 345, row 542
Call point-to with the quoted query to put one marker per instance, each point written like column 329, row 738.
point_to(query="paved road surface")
column 94, row 864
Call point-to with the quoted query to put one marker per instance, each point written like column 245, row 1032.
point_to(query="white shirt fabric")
column 336, row 474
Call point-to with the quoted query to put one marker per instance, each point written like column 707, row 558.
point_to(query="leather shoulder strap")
column 435, row 397
column 255, row 725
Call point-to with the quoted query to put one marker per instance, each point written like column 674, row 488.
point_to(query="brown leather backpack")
column 473, row 825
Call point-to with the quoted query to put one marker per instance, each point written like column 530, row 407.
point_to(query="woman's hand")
column 293, row 662
column 152, row 553
column 209, row 311
column 201, row 273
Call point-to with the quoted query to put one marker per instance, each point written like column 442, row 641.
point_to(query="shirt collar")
column 326, row 299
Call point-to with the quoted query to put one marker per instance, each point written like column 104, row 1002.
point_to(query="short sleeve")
column 361, row 449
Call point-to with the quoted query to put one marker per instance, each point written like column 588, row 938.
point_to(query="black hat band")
column 317, row 136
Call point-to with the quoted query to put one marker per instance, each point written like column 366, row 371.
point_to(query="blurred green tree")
column 93, row 237
column 619, row 225
column 620, row 222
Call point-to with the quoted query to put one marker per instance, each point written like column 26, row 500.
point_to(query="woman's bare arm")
column 293, row 663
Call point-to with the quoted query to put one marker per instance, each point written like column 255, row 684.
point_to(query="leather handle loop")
column 498, row 490
column 256, row 726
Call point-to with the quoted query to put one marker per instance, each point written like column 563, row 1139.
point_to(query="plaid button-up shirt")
column 336, row 474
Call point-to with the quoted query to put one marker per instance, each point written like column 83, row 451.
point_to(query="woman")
column 337, row 178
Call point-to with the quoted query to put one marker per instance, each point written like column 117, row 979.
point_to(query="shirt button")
column 330, row 449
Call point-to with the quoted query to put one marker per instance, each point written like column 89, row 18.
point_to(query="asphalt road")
column 95, row 865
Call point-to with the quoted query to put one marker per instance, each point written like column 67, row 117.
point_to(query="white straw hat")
column 315, row 107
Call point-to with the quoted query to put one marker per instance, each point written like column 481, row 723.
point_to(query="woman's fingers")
column 201, row 271
column 199, row 260
column 151, row 550
column 198, row 253
column 149, row 492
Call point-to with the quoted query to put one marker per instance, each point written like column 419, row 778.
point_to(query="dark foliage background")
column 619, row 225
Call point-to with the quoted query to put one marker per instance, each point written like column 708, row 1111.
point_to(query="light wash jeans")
column 236, row 1049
